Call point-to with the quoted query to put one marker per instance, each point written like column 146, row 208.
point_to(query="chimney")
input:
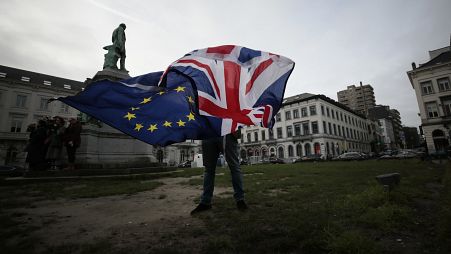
column 414, row 66
column 360, row 83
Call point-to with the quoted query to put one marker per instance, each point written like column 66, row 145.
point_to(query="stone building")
column 308, row 124
column 24, row 100
column 431, row 82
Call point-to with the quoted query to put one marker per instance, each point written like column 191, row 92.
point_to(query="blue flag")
column 139, row 108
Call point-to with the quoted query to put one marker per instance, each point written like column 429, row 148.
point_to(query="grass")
column 331, row 207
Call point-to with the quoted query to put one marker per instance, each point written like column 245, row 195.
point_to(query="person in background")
column 55, row 142
column 36, row 147
column 72, row 141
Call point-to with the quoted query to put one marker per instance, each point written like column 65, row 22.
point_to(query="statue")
column 117, row 50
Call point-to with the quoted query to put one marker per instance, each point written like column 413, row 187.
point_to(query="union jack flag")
column 235, row 85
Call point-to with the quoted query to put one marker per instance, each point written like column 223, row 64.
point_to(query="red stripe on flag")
column 261, row 68
column 207, row 68
column 217, row 111
column 226, row 49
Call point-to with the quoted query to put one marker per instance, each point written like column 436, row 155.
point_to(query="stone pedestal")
column 105, row 147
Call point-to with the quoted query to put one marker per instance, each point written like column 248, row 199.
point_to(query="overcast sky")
column 334, row 43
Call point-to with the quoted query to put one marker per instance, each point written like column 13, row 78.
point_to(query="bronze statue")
column 117, row 50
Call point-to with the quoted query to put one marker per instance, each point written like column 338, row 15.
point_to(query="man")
column 211, row 149
column 118, row 39
column 72, row 141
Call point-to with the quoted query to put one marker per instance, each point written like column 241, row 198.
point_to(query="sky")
column 335, row 43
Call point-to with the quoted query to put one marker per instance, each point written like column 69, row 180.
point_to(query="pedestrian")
column 36, row 147
column 55, row 142
column 211, row 148
column 72, row 141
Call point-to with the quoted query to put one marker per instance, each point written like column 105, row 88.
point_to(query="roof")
column 444, row 57
column 11, row 73
column 308, row 96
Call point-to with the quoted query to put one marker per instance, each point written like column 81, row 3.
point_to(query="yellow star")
column 138, row 126
column 180, row 89
column 130, row 116
column 190, row 116
column 146, row 100
column 181, row 123
column 152, row 127
column 190, row 99
column 161, row 93
column 167, row 124
column 133, row 108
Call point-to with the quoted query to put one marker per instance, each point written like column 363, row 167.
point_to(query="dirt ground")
column 138, row 220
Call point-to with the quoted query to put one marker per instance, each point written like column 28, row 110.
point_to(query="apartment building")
column 358, row 98
column 308, row 124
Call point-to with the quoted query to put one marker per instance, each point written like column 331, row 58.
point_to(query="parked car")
column 350, row 156
column 275, row 160
column 309, row 157
column 185, row 164
column 405, row 155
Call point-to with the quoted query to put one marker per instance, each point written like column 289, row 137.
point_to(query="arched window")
column 317, row 149
column 290, row 151
column 307, row 149
column 299, row 150
column 280, row 152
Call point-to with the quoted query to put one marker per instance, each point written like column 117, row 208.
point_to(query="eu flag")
column 139, row 108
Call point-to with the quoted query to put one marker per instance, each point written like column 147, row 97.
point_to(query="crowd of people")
column 49, row 139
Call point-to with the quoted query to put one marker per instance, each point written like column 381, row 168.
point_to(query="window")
column 328, row 113
column 346, row 119
column 339, row 131
column 443, row 84
column 21, row 101
column 279, row 132
column 287, row 115
column 44, row 105
column 248, row 137
column 431, row 109
column 67, row 86
column 335, row 130
column 426, row 87
column 313, row 110
column 324, row 127
column 47, row 83
column 270, row 134
column 16, row 125
column 447, row 106
column 297, row 130
column 26, row 79
column 278, row 117
column 256, row 136
column 330, row 128
column 304, row 112
column 2, row 75
column 314, row 127
column 290, row 151
column 263, row 134
column 341, row 116
column 322, row 110
column 305, row 127
column 289, row 131
column 333, row 113
column 295, row 113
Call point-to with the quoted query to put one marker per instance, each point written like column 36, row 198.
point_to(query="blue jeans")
column 211, row 149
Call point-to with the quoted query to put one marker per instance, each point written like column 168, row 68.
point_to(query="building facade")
column 24, row 99
column 431, row 82
column 308, row 124
column 358, row 98
column 392, row 130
